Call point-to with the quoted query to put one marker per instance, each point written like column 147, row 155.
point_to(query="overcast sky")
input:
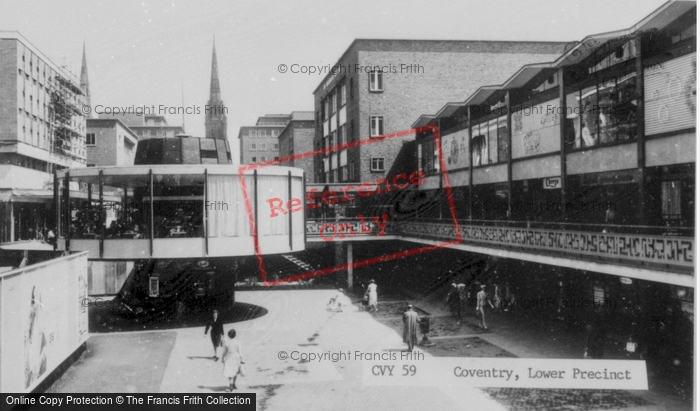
column 149, row 52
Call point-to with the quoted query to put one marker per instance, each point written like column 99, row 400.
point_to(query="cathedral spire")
column 84, row 82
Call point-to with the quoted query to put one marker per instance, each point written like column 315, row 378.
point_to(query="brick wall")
column 442, row 78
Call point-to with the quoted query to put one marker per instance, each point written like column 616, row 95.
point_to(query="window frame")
column 377, row 169
column 371, row 126
column 378, row 75
column 94, row 139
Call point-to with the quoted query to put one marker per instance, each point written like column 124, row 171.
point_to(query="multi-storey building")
column 379, row 87
column 579, row 174
column 260, row 142
column 42, row 128
column 298, row 138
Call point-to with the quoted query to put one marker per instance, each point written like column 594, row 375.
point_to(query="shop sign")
column 551, row 183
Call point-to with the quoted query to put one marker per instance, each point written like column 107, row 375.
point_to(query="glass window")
column 342, row 138
column 90, row 139
column 479, row 150
column 343, row 95
column 601, row 114
column 671, row 200
column 377, row 164
column 253, row 146
column 263, row 146
column 277, row 146
column 589, row 116
column 376, row 126
column 178, row 205
column 376, row 80
column 573, row 119
column 334, row 102
column 502, row 139
column 253, row 159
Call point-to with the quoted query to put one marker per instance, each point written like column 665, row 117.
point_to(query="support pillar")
column 349, row 259
column 338, row 252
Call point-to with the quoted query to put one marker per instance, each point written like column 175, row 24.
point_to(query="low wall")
column 42, row 320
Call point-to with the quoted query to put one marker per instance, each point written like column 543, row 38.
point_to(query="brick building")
column 260, row 142
column 379, row 87
column 110, row 143
column 42, row 129
column 298, row 138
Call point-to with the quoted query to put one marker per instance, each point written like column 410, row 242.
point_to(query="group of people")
column 231, row 356
column 459, row 300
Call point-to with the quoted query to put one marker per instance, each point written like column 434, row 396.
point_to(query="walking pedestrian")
column 372, row 293
column 410, row 327
column 481, row 299
column 453, row 299
column 232, row 357
column 595, row 341
column 463, row 298
column 497, row 300
column 217, row 331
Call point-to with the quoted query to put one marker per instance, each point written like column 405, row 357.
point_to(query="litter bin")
column 424, row 323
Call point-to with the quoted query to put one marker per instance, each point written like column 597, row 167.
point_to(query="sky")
column 153, row 52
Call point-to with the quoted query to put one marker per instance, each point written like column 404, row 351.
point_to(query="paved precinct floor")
column 177, row 361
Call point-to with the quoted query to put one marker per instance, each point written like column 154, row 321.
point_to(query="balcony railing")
column 672, row 250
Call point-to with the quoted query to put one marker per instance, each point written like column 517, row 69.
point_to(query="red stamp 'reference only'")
column 275, row 206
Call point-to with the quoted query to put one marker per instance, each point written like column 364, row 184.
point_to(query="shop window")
column 671, row 200
column 479, row 150
column 604, row 113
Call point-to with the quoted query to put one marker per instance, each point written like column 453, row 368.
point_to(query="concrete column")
column 349, row 259
column 12, row 221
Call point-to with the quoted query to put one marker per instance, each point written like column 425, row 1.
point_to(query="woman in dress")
column 372, row 293
column 232, row 359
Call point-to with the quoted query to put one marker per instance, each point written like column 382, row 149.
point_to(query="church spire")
column 214, row 89
column 215, row 125
column 84, row 82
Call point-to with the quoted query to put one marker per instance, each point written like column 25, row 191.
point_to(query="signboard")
column 551, row 183
column 455, row 149
column 536, row 129
column 669, row 95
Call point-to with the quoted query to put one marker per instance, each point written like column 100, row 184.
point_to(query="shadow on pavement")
column 104, row 320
